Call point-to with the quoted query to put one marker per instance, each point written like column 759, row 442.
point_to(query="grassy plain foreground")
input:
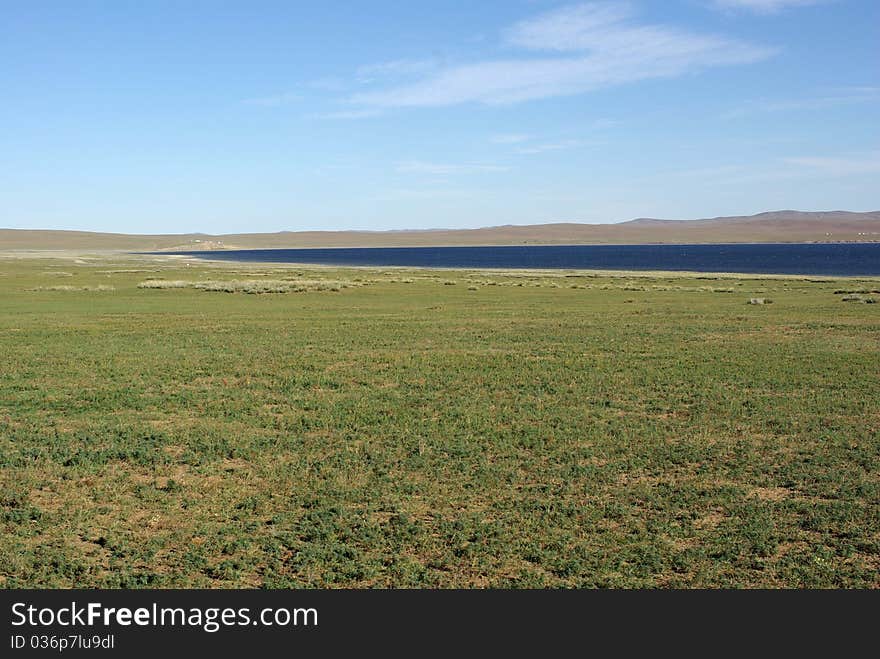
column 433, row 429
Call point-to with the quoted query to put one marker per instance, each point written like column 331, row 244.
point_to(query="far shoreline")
column 528, row 258
column 101, row 257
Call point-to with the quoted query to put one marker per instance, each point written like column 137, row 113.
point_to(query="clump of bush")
column 760, row 300
column 858, row 298
column 99, row 289
column 154, row 282
column 254, row 286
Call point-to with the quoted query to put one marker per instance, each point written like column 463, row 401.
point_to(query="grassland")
column 415, row 428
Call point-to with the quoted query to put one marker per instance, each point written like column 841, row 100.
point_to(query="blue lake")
column 843, row 259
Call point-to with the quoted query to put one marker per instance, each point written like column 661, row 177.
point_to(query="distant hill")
column 777, row 226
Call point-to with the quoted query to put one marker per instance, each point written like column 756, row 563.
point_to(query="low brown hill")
column 777, row 226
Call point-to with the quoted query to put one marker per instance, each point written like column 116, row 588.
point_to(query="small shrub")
column 858, row 298
column 162, row 283
column 100, row 289
column 254, row 286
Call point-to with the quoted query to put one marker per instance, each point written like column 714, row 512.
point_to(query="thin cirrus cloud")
column 400, row 68
column 572, row 50
column 811, row 167
column 846, row 165
column 278, row 100
column 764, row 6
column 361, row 113
column 510, row 138
column 850, row 96
column 596, row 125
column 447, row 169
column 549, row 146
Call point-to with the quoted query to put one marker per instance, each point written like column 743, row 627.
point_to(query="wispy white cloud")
column 447, row 169
column 328, row 84
column 843, row 165
column 362, row 113
column 596, row 45
column 525, row 143
column 510, row 138
column 858, row 89
column 549, row 146
column 603, row 124
column 764, row 6
column 400, row 68
column 812, row 167
column 850, row 96
column 275, row 101
column 576, row 28
column 432, row 193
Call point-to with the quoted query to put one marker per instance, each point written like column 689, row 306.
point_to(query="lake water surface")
column 843, row 259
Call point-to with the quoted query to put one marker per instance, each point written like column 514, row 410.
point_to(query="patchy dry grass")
column 564, row 429
column 100, row 288
column 254, row 286
column 863, row 299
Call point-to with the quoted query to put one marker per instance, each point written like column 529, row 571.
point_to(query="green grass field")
column 391, row 428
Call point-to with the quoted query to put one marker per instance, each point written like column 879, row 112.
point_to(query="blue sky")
column 154, row 117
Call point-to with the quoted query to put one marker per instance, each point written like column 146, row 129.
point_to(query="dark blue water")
column 796, row 259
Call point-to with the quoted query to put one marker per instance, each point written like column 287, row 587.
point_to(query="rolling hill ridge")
column 776, row 226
